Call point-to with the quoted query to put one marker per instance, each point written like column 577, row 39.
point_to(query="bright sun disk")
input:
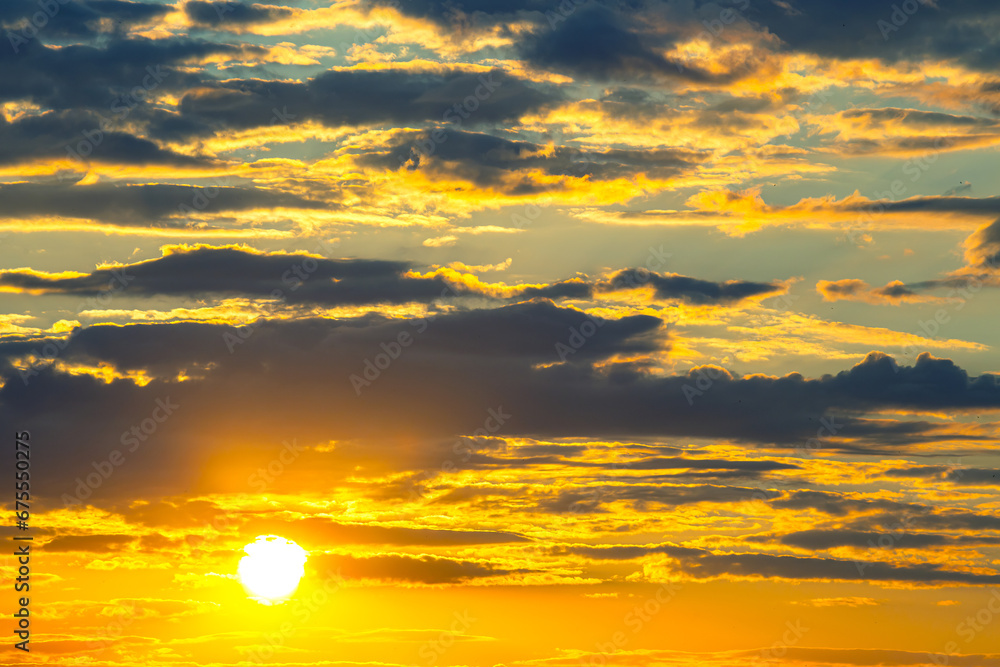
column 272, row 568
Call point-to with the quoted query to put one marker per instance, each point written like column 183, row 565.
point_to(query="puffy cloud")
column 424, row 569
column 301, row 278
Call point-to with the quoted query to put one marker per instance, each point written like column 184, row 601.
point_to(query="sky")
column 579, row 333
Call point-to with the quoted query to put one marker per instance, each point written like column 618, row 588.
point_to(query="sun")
column 271, row 570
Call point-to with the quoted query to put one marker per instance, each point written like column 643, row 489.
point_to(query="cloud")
column 879, row 31
column 883, row 514
column 434, row 386
column 675, row 286
column 896, row 131
column 624, row 552
column 801, row 568
column 598, row 43
column 893, row 293
column 506, row 165
column 424, row 569
column 151, row 204
column 79, row 138
column 89, row 543
column 77, row 19
column 960, row 475
column 447, row 14
column 220, row 14
column 101, row 79
column 982, row 257
column 701, row 564
column 357, row 97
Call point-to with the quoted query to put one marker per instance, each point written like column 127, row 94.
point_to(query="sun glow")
column 271, row 570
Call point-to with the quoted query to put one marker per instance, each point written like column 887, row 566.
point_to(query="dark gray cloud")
column 674, row 286
column 795, row 567
column 597, row 42
column 625, row 551
column 301, row 279
column 226, row 12
column 822, row 539
column 323, row 533
column 79, row 137
column 453, row 369
column 96, row 100
column 456, row 15
column 76, row 19
column 918, row 118
column 135, row 205
column 964, row 476
column 399, row 567
column 858, row 29
column 881, row 514
column 614, row 41
column 690, row 468
column 933, row 204
column 982, row 254
column 103, row 79
column 700, row 564
column 90, row 543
